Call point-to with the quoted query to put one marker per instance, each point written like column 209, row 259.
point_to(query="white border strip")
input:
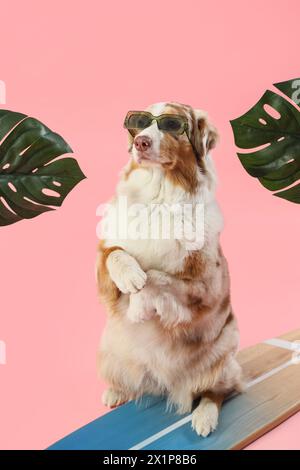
column 181, row 422
column 271, row 372
column 162, row 433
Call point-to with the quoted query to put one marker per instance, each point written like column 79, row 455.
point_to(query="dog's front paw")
column 170, row 311
column 140, row 307
column 205, row 417
column 125, row 272
column 158, row 278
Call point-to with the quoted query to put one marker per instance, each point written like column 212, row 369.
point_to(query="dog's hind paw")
column 112, row 398
column 140, row 306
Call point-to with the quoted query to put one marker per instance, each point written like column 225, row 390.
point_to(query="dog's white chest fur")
column 147, row 191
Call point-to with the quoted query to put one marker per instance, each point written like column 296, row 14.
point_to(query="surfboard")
column 272, row 395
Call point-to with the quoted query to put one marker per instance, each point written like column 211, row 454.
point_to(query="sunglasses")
column 138, row 120
column 172, row 123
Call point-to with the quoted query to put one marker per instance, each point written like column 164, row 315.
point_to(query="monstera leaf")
column 272, row 130
column 291, row 88
column 32, row 179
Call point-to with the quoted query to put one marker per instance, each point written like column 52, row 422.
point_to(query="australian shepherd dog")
column 170, row 328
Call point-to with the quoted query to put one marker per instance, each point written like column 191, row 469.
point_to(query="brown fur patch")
column 229, row 319
column 198, row 269
column 214, row 397
column 181, row 168
column 108, row 291
column 225, row 303
column 211, row 377
column 194, row 265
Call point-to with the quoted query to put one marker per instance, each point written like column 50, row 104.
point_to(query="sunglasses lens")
column 138, row 121
column 171, row 124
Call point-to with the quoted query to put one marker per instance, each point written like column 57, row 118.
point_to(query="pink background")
column 78, row 67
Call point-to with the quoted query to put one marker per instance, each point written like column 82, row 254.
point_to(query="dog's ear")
column 205, row 134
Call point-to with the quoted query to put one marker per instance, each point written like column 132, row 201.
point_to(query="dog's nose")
column 142, row 143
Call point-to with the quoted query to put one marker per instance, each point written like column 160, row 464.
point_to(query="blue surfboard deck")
column 271, row 396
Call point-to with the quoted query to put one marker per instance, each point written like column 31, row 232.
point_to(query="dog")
column 170, row 328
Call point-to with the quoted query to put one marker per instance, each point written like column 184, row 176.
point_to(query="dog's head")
column 172, row 136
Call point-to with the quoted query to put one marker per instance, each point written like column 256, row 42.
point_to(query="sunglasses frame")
column 183, row 119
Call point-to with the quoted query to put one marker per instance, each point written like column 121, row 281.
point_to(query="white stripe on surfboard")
column 283, row 343
column 186, row 419
column 271, row 372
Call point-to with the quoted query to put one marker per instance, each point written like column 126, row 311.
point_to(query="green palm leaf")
column 273, row 125
column 32, row 179
column 291, row 88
